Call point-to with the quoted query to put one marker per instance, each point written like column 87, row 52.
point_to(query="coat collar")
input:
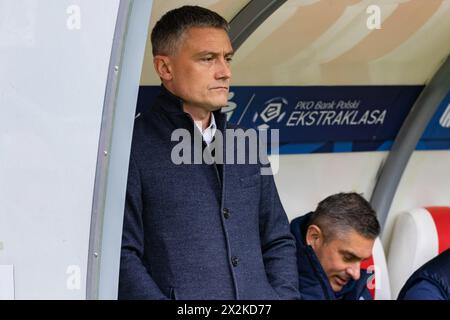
column 167, row 102
column 314, row 283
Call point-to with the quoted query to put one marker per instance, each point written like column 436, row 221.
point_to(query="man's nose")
column 354, row 271
column 223, row 69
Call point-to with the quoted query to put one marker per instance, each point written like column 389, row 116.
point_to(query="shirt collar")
column 208, row 133
column 212, row 123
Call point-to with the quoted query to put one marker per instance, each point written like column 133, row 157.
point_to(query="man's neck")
column 200, row 116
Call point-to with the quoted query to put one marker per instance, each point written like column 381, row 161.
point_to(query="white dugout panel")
column 54, row 58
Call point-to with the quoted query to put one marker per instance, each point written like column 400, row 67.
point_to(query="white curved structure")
column 419, row 235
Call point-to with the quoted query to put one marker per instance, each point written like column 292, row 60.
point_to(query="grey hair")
column 339, row 213
column 169, row 30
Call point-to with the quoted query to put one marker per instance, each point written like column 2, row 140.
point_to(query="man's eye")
column 229, row 59
column 347, row 258
column 208, row 59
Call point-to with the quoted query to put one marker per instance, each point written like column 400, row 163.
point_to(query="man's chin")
column 217, row 106
column 219, row 101
column 336, row 286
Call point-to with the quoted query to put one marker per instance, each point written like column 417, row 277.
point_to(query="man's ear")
column 314, row 236
column 163, row 67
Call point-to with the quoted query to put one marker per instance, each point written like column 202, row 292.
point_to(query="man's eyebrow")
column 214, row 54
column 353, row 256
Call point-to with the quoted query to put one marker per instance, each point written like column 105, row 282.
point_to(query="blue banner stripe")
column 325, row 119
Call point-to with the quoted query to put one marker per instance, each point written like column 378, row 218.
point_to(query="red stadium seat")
column 441, row 217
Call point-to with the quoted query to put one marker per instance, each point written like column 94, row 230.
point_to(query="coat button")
column 226, row 213
column 234, row 261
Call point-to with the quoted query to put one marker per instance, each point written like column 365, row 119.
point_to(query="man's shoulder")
column 147, row 128
column 424, row 289
column 242, row 131
column 141, row 121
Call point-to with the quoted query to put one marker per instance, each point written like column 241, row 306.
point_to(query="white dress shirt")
column 208, row 133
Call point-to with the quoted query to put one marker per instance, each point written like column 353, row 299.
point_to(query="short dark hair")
column 339, row 213
column 173, row 24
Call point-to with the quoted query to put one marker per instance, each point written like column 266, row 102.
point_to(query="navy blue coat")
column 429, row 282
column 199, row 231
column 313, row 281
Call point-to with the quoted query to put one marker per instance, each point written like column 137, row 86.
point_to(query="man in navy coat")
column 331, row 243
column 429, row 282
column 208, row 230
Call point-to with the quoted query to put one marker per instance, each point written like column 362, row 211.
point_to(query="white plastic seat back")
column 418, row 236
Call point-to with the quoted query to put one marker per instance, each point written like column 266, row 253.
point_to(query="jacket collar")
column 314, row 283
column 167, row 102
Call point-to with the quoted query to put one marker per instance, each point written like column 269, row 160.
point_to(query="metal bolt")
column 105, row 153
column 95, row 254
column 116, row 68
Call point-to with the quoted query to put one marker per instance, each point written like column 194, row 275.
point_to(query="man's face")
column 341, row 256
column 200, row 68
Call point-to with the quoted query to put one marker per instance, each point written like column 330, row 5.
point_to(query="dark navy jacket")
column 313, row 281
column 429, row 282
column 199, row 231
